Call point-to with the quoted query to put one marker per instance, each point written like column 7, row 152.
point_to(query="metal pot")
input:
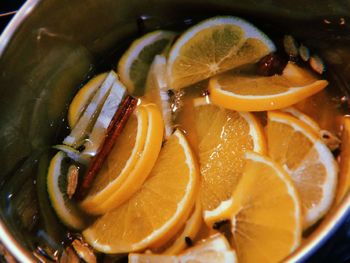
column 51, row 47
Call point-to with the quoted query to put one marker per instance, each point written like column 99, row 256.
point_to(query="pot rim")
column 16, row 249
column 329, row 225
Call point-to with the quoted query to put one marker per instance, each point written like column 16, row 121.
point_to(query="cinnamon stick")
column 113, row 131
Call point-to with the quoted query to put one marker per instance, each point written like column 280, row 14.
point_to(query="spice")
column 72, row 179
column 219, row 224
column 331, row 140
column 270, row 65
column 84, row 251
column 69, row 256
column 189, row 241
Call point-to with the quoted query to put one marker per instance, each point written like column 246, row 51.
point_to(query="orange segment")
column 298, row 148
column 119, row 162
column 344, row 175
column 223, row 137
column 255, row 93
column 265, row 212
column 157, row 211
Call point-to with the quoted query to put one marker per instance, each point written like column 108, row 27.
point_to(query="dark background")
column 335, row 250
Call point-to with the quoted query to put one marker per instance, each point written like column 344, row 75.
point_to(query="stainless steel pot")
column 50, row 47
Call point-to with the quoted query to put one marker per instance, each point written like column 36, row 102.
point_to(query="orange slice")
column 256, row 93
column 311, row 165
column 120, row 162
column 223, row 137
column 265, row 212
column 189, row 230
column 214, row 249
column 214, row 46
column 344, row 175
column 157, row 211
column 66, row 209
column 303, row 117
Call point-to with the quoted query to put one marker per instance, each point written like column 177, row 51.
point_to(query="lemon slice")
column 223, row 137
column 157, row 211
column 99, row 130
column 311, row 165
column 344, row 173
column 82, row 98
column 214, row 249
column 265, row 212
column 135, row 63
column 88, row 118
column 65, row 209
column 256, row 93
column 214, row 46
column 157, row 91
column 120, row 162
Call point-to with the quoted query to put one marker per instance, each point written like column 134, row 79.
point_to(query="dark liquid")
column 24, row 198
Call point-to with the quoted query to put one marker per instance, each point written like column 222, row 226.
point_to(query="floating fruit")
column 157, row 211
column 214, row 249
column 57, row 184
column 213, row 46
column 134, row 65
column 265, row 212
column 309, row 162
column 223, row 137
column 255, row 93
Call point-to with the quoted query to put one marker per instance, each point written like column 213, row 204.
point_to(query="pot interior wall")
column 62, row 43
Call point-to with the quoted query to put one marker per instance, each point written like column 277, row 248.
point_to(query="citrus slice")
column 256, row 93
column 99, row 129
column 223, row 137
column 82, row 98
column 157, row 211
column 311, row 165
column 157, row 91
column 189, row 231
column 142, row 168
column 214, row 249
column 330, row 139
column 65, row 209
column 119, row 167
column 303, row 117
column 88, row 117
column 344, row 174
column 120, row 161
column 265, row 212
column 134, row 65
column 214, row 46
